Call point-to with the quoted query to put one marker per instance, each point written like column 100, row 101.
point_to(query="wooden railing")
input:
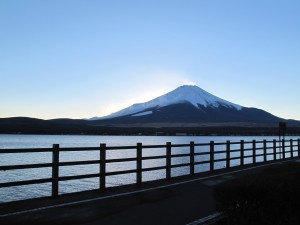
column 276, row 150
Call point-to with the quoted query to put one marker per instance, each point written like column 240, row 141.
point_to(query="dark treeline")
column 66, row 126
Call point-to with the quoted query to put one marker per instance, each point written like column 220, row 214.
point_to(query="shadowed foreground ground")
column 271, row 197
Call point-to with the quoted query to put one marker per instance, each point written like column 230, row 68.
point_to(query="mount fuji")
column 186, row 104
column 185, row 110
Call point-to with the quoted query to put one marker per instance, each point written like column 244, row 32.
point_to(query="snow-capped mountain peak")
column 196, row 96
column 184, row 94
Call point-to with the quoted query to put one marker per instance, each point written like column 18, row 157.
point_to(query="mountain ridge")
column 184, row 94
column 187, row 109
column 189, row 104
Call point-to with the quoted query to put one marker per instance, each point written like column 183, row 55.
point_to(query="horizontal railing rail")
column 209, row 154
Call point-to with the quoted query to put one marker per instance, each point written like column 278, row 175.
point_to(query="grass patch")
column 269, row 197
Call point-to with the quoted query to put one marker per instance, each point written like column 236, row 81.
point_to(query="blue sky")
column 85, row 58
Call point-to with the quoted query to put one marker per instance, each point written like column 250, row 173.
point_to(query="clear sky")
column 85, row 58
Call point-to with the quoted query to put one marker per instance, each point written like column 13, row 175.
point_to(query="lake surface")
column 46, row 141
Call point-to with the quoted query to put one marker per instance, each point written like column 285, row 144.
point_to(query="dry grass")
column 271, row 197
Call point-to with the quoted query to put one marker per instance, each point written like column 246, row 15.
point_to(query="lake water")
column 46, row 141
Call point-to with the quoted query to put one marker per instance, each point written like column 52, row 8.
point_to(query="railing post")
column 102, row 166
column 274, row 150
column 265, row 151
column 168, row 160
column 192, row 158
column 139, row 163
column 254, row 151
column 292, row 148
column 212, row 156
column 227, row 154
column 55, row 170
column 283, row 148
column 298, row 148
column 242, row 153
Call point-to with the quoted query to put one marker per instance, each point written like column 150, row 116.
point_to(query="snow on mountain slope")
column 184, row 94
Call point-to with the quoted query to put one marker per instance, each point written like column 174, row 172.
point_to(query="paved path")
column 180, row 202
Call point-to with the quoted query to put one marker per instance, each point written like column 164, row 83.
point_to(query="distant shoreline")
column 108, row 131
column 22, row 125
column 137, row 135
